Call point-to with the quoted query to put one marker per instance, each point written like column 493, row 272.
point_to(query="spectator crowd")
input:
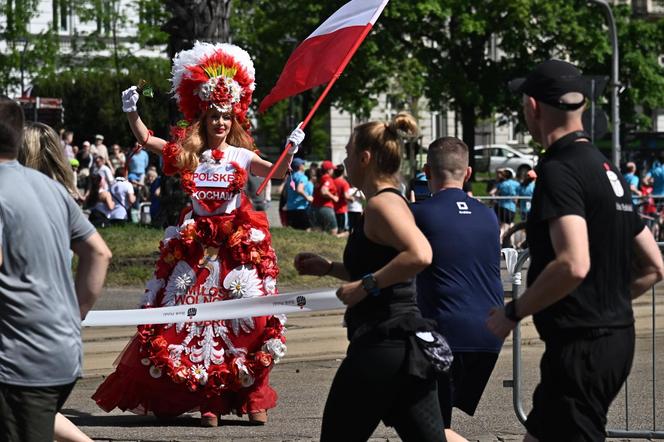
column 124, row 184
column 116, row 185
column 320, row 198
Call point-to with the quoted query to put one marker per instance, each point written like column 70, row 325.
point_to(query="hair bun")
column 404, row 125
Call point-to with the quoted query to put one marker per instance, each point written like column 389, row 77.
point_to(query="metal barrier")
column 515, row 383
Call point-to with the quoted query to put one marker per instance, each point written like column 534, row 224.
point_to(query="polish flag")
column 327, row 51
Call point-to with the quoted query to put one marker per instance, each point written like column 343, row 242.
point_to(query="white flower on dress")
column 270, row 285
column 246, row 378
column 282, row 318
column 276, row 348
column 204, row 92
column 256, row 235
column 171, row 232
column 186, row 222
column 182, row 282
column 151, row 288
column 155, row 372
column 243, row 282
column 206, row 157
column 234, row 89
column 182, row 275
column 200, row 374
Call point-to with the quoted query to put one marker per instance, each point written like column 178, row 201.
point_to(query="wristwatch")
column 370, row 285
column 510, row 311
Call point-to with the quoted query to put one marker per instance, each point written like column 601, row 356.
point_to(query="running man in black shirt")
column 590, row 256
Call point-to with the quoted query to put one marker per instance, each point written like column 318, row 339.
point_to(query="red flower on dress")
column 178, row 132
column 188, row 232
column 217, row 154
column 187, row 180
column 227, row 227
column 268, row 266
column 273, row 329
column 263, row 358
column 170, row 154
column 219, row 378
column 180, row 374
column 206, row 231
column 240, row 180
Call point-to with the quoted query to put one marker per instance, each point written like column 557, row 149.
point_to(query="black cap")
column 549, row 81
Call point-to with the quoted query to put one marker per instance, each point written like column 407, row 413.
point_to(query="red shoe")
column 258, row 417
column 209, row 419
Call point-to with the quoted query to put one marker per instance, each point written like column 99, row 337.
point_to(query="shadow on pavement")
column 82, row 419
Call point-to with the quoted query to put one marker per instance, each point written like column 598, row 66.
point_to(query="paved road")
column 316, row 346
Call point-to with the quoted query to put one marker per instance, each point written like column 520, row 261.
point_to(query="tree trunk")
column 468, row 123
column 204, row 20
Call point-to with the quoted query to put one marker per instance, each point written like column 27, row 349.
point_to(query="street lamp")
column 615, row 84
column 21, row 55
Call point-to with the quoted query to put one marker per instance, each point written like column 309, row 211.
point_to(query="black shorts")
column 463, row 385
column 579, row 380
column 298, row 219
column 504, row 216
column 28, row 413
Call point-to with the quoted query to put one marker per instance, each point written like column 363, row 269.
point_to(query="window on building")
column 149, row 12
column 61, row 13
column 105, row 13
column 18, row 15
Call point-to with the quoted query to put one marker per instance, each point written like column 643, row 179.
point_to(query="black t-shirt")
column 574, row 178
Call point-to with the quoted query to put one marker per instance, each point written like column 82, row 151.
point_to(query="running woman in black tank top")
column 384, row 376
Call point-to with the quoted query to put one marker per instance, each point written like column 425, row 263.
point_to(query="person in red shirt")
column 325, row 196
column 341, row 206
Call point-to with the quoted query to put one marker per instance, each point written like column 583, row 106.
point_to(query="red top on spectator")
column 320, row 200
column 341, row 206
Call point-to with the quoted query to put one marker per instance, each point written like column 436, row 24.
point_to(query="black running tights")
column 372, row 385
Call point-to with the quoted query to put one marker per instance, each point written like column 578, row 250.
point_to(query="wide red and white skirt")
column 216, row 366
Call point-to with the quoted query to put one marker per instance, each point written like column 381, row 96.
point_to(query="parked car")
column 490, row 157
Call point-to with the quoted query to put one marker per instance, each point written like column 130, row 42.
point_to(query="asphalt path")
column 316, row 347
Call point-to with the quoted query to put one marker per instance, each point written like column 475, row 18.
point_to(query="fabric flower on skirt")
column 244, row 375
column 199, row 373
column 276, row 348
column 270, row 285
column 256, row 235
column 243, row 282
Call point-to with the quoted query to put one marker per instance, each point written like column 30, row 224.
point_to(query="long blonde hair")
column 383, row 140
column 43, row 151
column 195, row 142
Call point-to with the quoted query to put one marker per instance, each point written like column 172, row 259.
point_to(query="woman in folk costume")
column 220, row 251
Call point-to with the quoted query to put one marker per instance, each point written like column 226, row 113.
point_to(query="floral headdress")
column 213, row 75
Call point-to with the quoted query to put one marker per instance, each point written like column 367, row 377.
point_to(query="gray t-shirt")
column 40, row 324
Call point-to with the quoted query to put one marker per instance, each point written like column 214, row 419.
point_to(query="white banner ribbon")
column 217, row 311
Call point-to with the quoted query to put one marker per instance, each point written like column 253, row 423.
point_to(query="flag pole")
column 313, row 110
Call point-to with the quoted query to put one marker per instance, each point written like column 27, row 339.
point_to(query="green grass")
column 135, row 251
column 479, row 188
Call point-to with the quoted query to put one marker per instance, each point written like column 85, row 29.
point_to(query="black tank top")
column 363, row 256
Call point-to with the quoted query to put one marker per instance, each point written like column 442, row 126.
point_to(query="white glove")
column 295, row 138
column 129, row 99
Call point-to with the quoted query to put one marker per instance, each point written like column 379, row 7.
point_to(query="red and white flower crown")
column 217, row 75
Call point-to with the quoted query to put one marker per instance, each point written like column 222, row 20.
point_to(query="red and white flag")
column 326, row 51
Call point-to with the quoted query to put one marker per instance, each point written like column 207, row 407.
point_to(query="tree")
column 465, row 53
column 92, row 101
column 24, row 54
column 270, row 31
column 641, row 43
column 191, row 20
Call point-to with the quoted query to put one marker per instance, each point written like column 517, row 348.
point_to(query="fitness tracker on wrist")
column 370, row 285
